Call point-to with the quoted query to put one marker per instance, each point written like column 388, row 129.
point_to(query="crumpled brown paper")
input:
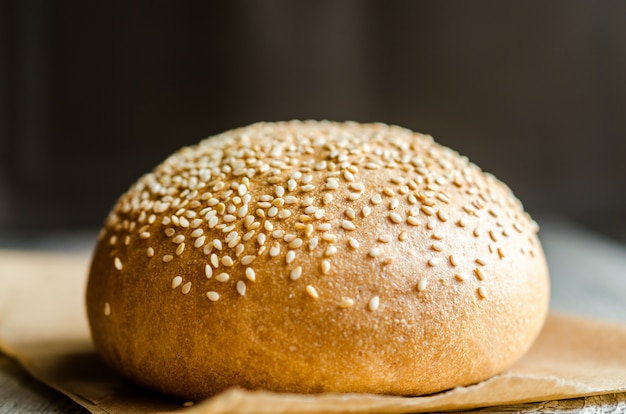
column 43, row 326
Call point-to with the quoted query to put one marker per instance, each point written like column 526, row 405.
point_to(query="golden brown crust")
column 316, row 256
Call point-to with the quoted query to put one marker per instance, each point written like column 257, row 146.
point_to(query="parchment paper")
column 43, row 326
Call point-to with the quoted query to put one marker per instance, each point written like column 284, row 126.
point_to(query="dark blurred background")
column 93, row 94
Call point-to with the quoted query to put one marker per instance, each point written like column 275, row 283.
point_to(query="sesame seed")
column 402, row 236
column 180, row 249
column 307, row 188
column 376, row 199
column 437, row 246
column 328, row 198
column 290, row 200
column 384, row 238
column 453, row 260
column 150, row 252
column 107, row 309
column 356, row 186
column 118, row 263
column 412, row 221
column 479, row 273
column 429, row 211
column 375, row 252
column 197, row 233
column 313, row 243
column 227, row 261
column 213, row 296
column 296, row 273
column 272, row 211
column 421, row 285
column 347, row 225
column 331, row 250
column 222, row 277
column 295, row 243
column 186, row 288
column 366, row 211
column 215, row 260
column 250, row 274
column 325, row 266
column 332, row 184
column 438, row 235
column 176, row 281
column 307, row 179
column 291, row 256
column 481, row 261
column 241, row 288
column 460, row 277
column 261, row 239
column 246, row 260
column 274, row 250
column 144, row 235
column 388, row 192
column 353, row 243
column 493, row 236
column 482, row 292
column 394, row 203
column 395, row 217
column 331, row 238
column 373, row 303
column 312, row 292
column 501, row 253
column 283, row 214
column 346, row 303
column 372, row 166
column 434, row 261
column 167, row 258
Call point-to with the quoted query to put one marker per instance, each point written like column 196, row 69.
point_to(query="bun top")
column 361, row 230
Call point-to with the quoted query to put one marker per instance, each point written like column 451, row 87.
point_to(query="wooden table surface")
column 588, row 275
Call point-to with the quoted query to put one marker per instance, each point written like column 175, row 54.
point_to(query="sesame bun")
column 316, row 257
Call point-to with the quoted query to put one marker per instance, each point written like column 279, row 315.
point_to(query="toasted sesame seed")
column 373, row 303
column 421, row 285
column 353, row 243
column 482, row 292
column 118, row 263
column 180, row 249
column 346, row 303
column 144, row 235
column 312, row 292
column 150, row 252
column 176, row 281
column 296, row 273
column 227, row 261
column 107, row 309
column 402, row 236
column 250, row 274
column 349, row 212
column 213, row 296
column 434, row 261
column 501, row 253
column 246, row 260
column 167, row 258
column 375, row 252
column 222, row 277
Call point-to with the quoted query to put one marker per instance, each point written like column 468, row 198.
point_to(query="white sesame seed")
column 482, row 292
column 215, row 260
column 429, row 211
column 296, row 273
column 118, row 263
column 312, row 292
column 222, row 277
column 349, row 212
column 481, row 261
column 346, row 303
column 213, row 296
column 227, row 261
column 307, row 188
column 348, row 176
column 356, row 186
column 197, row 233
column 393, row 203
column 246, row 260
column 384, row 238
column 150, row 252
column 176, row 281
column 274, row 250
column 375, row 252
column 291, row 256
column 167, row 258
column 186, row 288
column 353, row 243
column 184, row 222
column 144, row 235
column 331, row 238
column 437, row 246
column 422, row 284
column 347, row 225
column 290, row 199
column 453, row 260
column 307, row 179
column 480, row 275
column 366, row 211
column 374, row 303
column 331, row 250
column 332, row 184
column 438, row 235
column 376, row 199
column 295, row 243
column 412, row 221
column 328, row 198
column 180, row 249
column 241, row 288
column 372, row 166
column 460, row 277
column 319, row 213
column 395, row 217
column 325, row 266
column 388, row 192
column 434, row 261
column 250, row 274
column 272, row 211
column 107, row 309
column 313, row 243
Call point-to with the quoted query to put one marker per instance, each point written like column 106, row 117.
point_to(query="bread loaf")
column 313, row 257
